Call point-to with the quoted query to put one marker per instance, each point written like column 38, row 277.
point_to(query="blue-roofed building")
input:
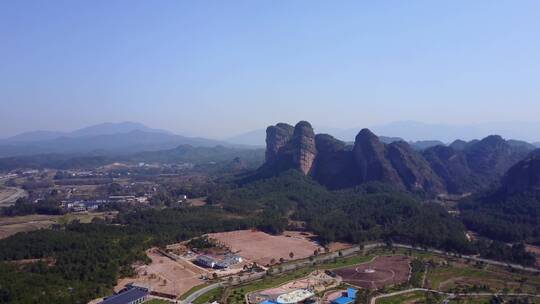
column 351, row 293
column 343, row 300
column 132, row 295
column 267, row 302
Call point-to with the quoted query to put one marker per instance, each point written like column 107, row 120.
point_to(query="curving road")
column 192, row 297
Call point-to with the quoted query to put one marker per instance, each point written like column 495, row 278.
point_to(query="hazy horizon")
column 218, row 69
column 407, row 130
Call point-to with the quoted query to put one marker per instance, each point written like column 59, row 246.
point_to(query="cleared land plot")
column 165, row 275
column 9, row 195
column 85, row 217
column 261, row 247
column 196, row 202
column 337, row 246
column 12, row 225
column 382, row 271
column 15, row 224
column 536, row 251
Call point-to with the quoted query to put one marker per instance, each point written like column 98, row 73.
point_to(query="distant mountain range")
column 457, row 168
column 107, row 128
column 129, row 137
column 412, row 131
column 102, row 139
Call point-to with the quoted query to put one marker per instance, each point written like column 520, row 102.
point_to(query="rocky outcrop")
column 290, row 147
column 459, row 168
column 303, row 147
column 276, row 138
column 452, row 168
column 413, row 169
column 335, row 165
column 370, row 158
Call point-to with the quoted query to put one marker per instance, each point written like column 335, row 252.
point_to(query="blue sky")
column 217, row 68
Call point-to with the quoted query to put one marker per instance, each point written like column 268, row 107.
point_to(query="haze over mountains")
column 106, row 138
column 129, row 137
column 413, row 131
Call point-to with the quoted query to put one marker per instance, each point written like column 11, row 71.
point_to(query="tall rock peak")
column 276, row 138
column 303, row 146
column 458, row 168
column 370, row 157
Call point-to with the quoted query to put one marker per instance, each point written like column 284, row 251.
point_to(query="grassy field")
column 464, row 277
column 209, row 297
column 16, row 224
column 192, row 290
column 449, row 273
column 487, row 300
column 412, row 297
column 84, row 217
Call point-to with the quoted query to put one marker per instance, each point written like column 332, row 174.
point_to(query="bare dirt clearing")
column 337, row 246
column 382, row 271
column 262, row 248
column 8, row 195
column 534, row 250
column 165, row 275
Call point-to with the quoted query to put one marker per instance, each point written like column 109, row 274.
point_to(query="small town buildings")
column 206, row 261
column 130, row 295
column 223, row 263
column 122, row 198
column 348, row 297
column 82, row 205
column 228, row 261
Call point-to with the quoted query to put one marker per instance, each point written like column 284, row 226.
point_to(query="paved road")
column 201, row 291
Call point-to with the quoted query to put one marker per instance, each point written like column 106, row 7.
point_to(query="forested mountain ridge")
column 523, row 177
column 457, row 168
column 472, row 166
column 510, row 212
